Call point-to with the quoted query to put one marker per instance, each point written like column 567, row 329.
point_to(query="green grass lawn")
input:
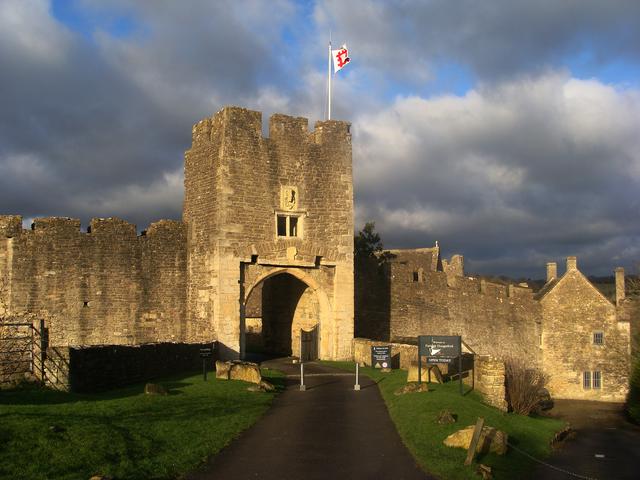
column 124, row 433
column 414, row 416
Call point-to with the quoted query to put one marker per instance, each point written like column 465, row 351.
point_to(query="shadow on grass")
column 280, row 383
column 174, row 388
column 374, row 382
column 34, row 394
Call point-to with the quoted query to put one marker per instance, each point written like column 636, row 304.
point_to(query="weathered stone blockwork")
column 489, row 380
column 411, row 295
column 106, row 286
column 234, row 183
column 573, row 310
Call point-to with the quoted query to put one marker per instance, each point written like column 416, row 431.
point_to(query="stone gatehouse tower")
column 270, row 217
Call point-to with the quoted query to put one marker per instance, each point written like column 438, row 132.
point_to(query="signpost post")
column 205, row 353
column 440, row 349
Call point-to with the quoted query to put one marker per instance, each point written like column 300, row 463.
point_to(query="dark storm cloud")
column 93, row 126
column 493, row 39
column 512, row 175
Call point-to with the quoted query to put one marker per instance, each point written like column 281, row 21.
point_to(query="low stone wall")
column 488, row 376
column 402, row 355
column 489, row 380
column 97, row 368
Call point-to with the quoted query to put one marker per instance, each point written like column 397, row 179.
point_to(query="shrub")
column 524, row 386
column 633, row 397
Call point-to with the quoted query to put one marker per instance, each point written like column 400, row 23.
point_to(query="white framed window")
column 288, row 225
column 598, row 338
column 592, row 380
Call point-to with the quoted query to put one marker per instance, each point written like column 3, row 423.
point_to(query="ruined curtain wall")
column 108, row 286
column 492, row 319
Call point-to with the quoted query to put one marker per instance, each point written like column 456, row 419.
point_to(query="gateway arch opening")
column 282, row 317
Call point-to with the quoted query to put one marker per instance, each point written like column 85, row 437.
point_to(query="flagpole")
column 329, row 82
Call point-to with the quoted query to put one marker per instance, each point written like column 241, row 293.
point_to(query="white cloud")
column 27, row 29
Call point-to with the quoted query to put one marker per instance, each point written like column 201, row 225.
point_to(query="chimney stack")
column 552, row 271
column 619, row 285
column 572, row 263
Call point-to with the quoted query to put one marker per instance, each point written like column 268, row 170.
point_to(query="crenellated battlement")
column 165, row 227
column 63, row 225
column 238, row 124
column 112, row 226
column 10, row 225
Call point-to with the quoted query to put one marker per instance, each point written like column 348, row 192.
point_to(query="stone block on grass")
column 491, row 440
column 222, row 370
column 238, row 370
column 412, row 388
column 154, row 389
column 436, row 374
column 445, row 417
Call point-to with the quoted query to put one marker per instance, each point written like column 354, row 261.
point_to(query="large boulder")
column 237, row 370
column 491, row 440
column 246, row 371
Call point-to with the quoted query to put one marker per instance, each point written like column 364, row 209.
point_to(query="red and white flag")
column 340, row 58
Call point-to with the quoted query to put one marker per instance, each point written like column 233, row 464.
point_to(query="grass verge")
column 415, row 418
column 123, row 433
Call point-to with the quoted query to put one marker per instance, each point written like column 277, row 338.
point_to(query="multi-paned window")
column 596, row 379
column 287, row 225
column 592, row 380
column 598, row 338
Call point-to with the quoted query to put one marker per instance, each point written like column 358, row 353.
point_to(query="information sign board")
column 439, row 348
column 381, row 356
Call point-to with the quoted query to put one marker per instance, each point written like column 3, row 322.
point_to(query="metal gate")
column 22, row 351
column 309, row 344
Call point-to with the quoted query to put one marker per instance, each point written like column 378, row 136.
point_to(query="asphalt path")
column 329, row 431
column 605, row 446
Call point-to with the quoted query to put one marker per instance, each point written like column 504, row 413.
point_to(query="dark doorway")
column 279, row 309
column 309, row 344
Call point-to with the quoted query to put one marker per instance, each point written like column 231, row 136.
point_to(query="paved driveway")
column 605, row 446
column 329, row 431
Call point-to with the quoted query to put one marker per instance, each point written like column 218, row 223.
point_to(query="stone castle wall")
column 107, row 286
column 405, row 295
column 410, row 296
column 188, row 281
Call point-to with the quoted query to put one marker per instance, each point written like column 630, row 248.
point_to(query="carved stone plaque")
column 289, row 197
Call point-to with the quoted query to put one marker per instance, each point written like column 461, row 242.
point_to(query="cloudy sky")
column 507, row 130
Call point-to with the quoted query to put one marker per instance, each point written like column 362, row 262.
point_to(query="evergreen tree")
column 367, row 243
